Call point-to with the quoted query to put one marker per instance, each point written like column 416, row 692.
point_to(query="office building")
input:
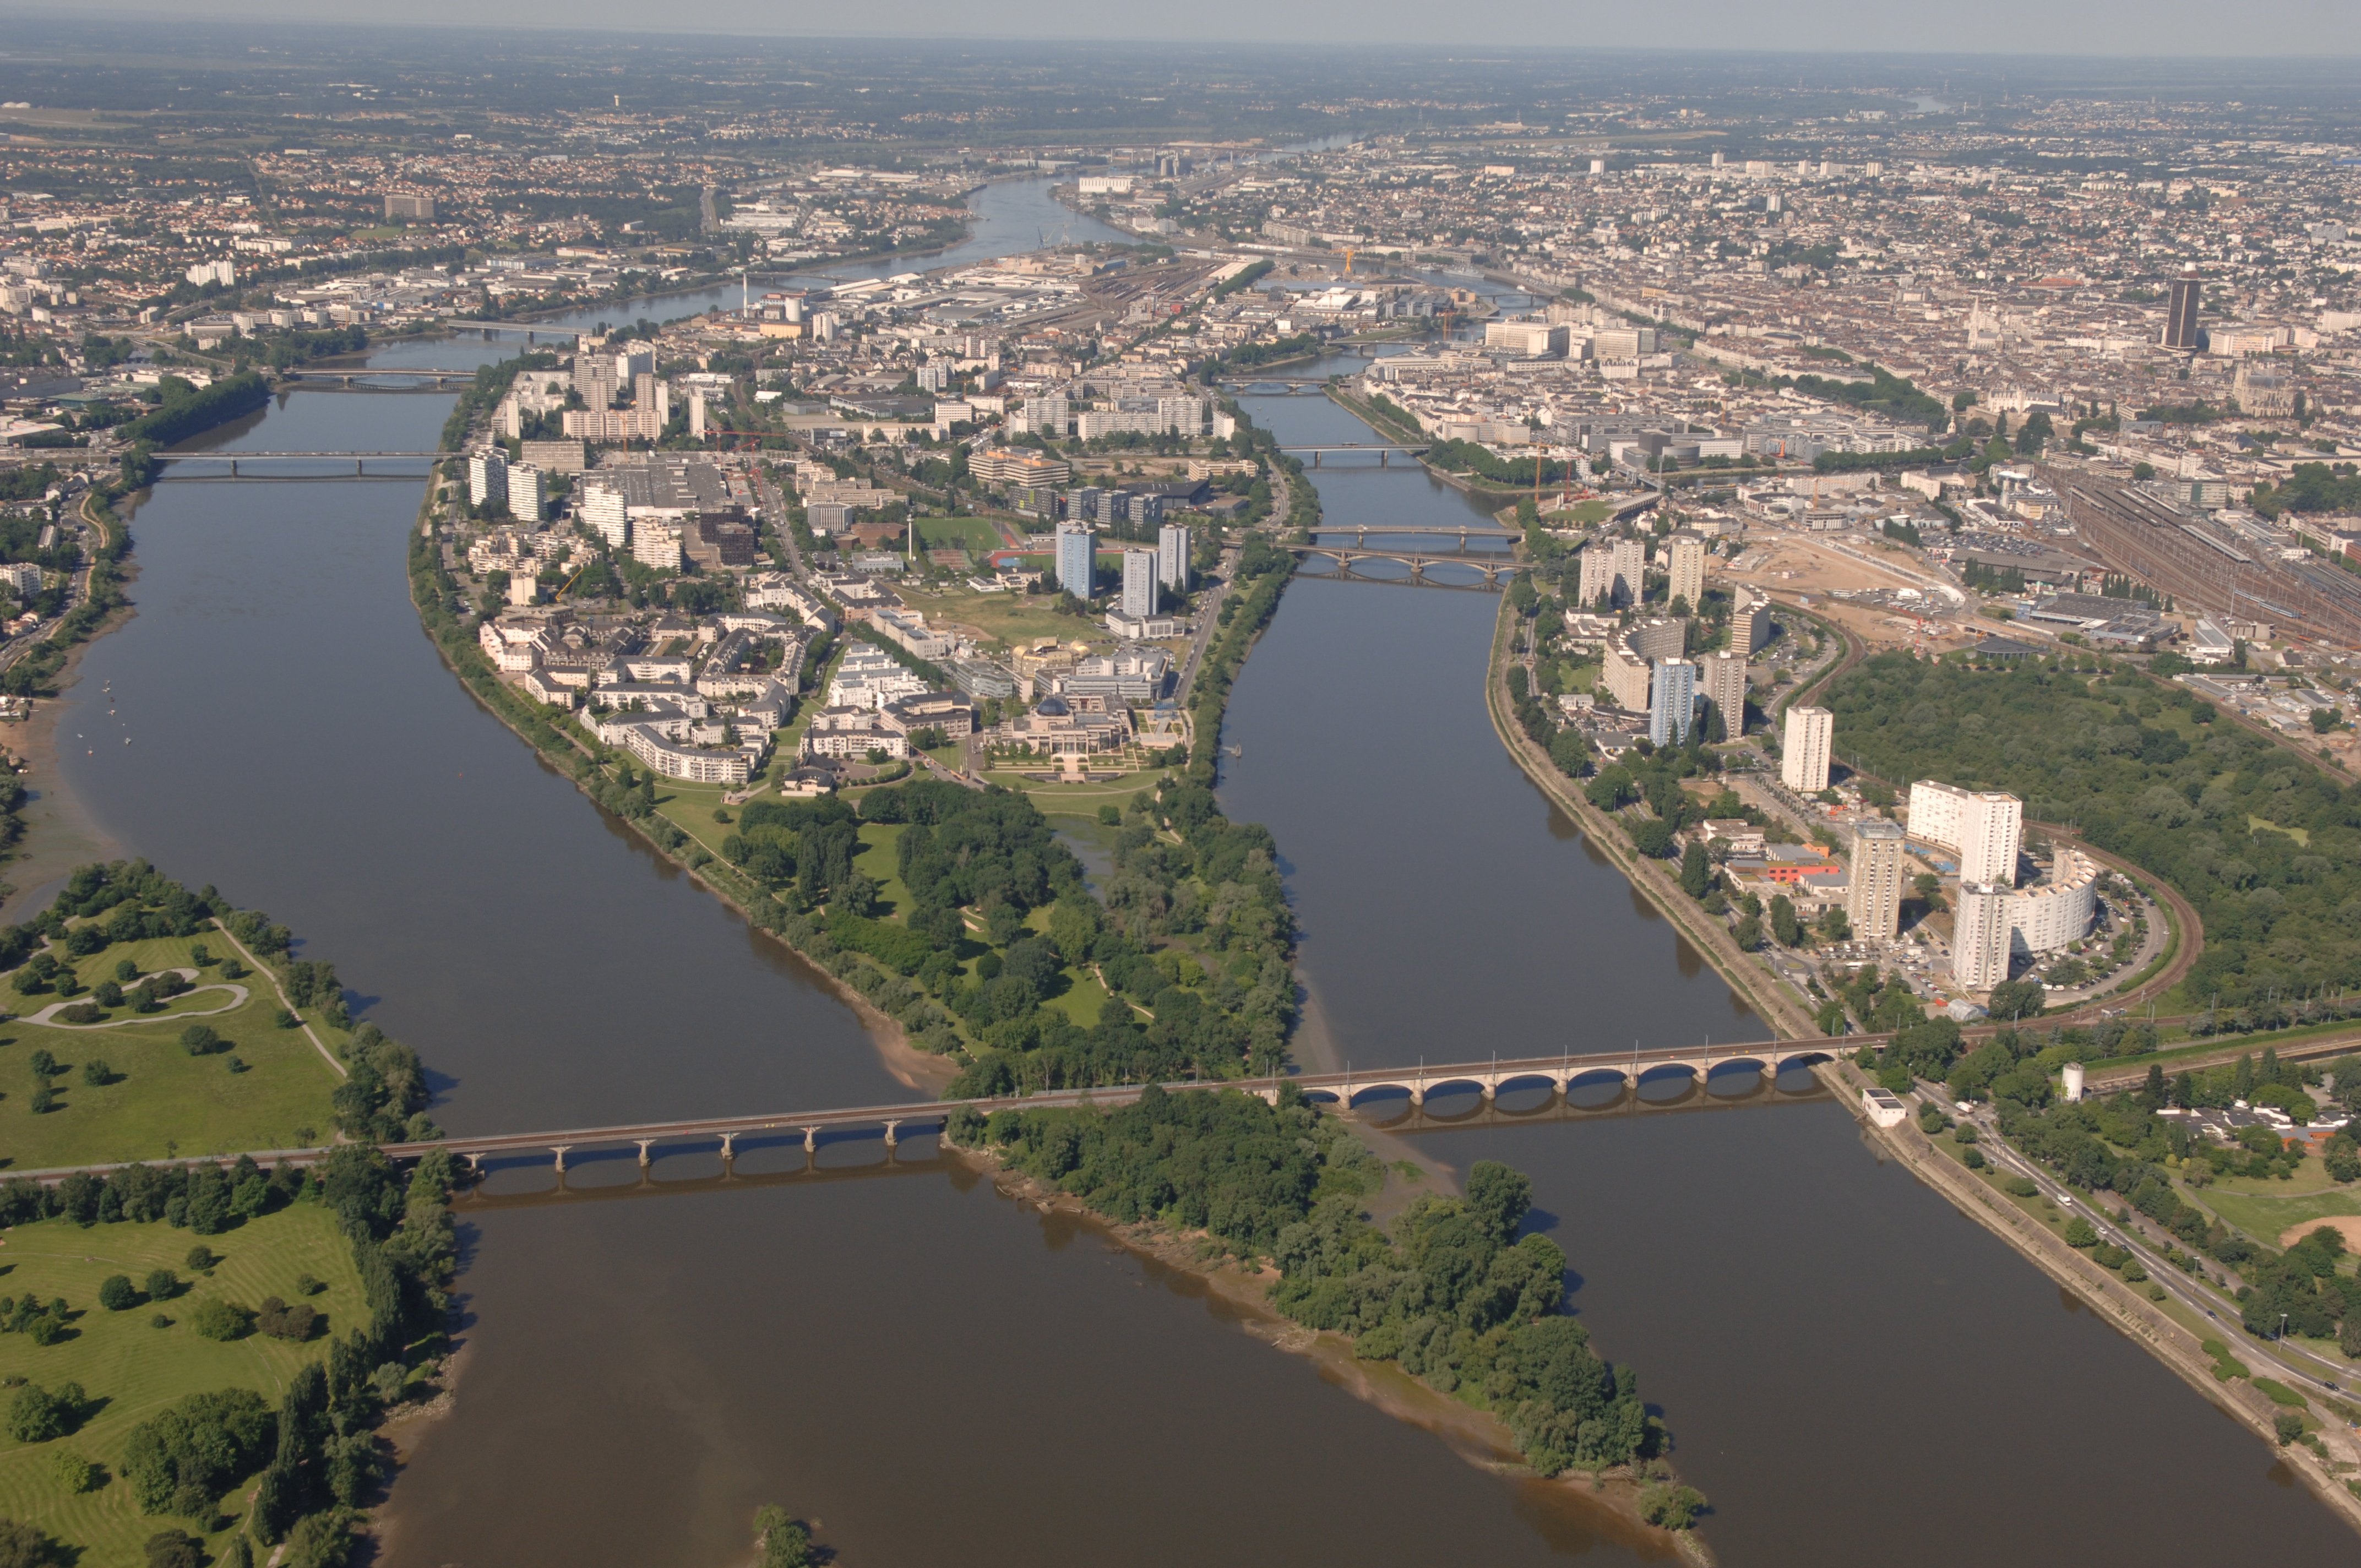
column 1076, row 546
column 1985, row 826
column 1671, row 702
column 415, row 209
column 1725, row 690
column 1685, row 556
column 2180, row 322
column 1873, row 886
column 1173, row 557
column 1980, row 936
column 1803, row 750
column 488, row 477
column 1139, row 583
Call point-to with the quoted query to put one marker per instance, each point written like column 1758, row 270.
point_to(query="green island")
column 170, row 1332
column 1448, row 1291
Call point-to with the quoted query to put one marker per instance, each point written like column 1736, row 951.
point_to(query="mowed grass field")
column 132, row 1369
column 164, row 1100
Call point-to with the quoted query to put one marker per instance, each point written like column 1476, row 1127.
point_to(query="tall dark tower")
column 2180, row 326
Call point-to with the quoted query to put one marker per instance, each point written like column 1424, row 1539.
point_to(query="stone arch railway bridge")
column 1489, row 1078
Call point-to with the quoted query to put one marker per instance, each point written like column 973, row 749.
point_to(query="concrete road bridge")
column 1491, row 564
column 1347, row 1091
column 1384, row 449
column 238, row 461
column 419, row 380
column 1463, row 531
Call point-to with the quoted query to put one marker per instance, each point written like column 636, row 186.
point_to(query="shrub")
column 81, row 1013
column 1973, row 1159
column 74, row 1472
column 1671, row 1507
column 97, row 1073
column 216, row 1319
column 199, row 1040
column 2288, row 1426
column 2020, row 1186
column 116, row 1293
column 201, row 1258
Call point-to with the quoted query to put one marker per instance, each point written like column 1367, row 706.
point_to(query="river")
column 931, row 1371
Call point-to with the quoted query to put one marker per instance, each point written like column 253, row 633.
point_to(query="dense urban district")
column 1927, row 523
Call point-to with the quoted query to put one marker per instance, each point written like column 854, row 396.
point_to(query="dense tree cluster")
column 1450, row 1292
column 2266, row 846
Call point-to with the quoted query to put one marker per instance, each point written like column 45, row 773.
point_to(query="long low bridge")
column 1487, row 1079
column 1463, row 531
column 359, row 460
column 427, row 378
column 1384, row 449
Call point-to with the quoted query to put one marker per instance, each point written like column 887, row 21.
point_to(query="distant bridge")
column 359, row 460
column 1384, row 449
column 1289, row 386
column 532, row 330
column 1489, row 563
column 1489, row 1078
column 424, row 379
column 1463, row 531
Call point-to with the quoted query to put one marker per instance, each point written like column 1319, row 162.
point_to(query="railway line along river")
column 933, row 1371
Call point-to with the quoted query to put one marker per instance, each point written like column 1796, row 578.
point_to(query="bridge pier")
column 811, row 1140
column 892, row 1142
column 1385, row 456
column 559, row 1149
column 643, row 1143
column 729, row 1147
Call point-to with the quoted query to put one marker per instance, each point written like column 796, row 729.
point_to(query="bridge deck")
column 1416, row 1082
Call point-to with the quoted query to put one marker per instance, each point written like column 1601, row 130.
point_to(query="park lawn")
column 879, row 859
column 1004, row 618
column 165, row 1100
column 1074, row 797
column 690, row 807
column 1081, row 1000
column 2265, row 1215
column 136, row 1369
column 974, row 534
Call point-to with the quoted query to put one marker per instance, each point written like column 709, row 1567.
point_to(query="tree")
column 1834, row 924
column 1499, row 1196
column 1697, row 871
column 22, row 1546
column 1785, row 928
column 175, row 1549
column 1653, row 838
column 1570, row 753
column 2013, row 999
column 1747, row 933
column 2324, row 719
column 785, row 1542
column 116, row 1293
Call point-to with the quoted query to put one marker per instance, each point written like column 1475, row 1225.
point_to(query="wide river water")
column 1854, row 1372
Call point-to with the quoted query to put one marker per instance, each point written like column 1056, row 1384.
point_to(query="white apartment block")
column 602, row 511
column 1685, row 563
column 1139, row 583
column 1985, row 826
column 1980, row 933
column 1873, row 884
column 1724, row 683
column 1803, row 750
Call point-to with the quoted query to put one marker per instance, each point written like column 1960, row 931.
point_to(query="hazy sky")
column 2301, row 28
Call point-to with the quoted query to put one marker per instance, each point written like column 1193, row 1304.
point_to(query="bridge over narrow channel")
column 238, row 461
column 1488, row 1078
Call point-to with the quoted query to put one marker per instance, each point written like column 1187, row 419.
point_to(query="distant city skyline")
column 2116, row 28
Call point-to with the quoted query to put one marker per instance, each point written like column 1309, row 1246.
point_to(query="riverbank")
column 2139, row 1319
column 1606, row 1504
column 1712, row 942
